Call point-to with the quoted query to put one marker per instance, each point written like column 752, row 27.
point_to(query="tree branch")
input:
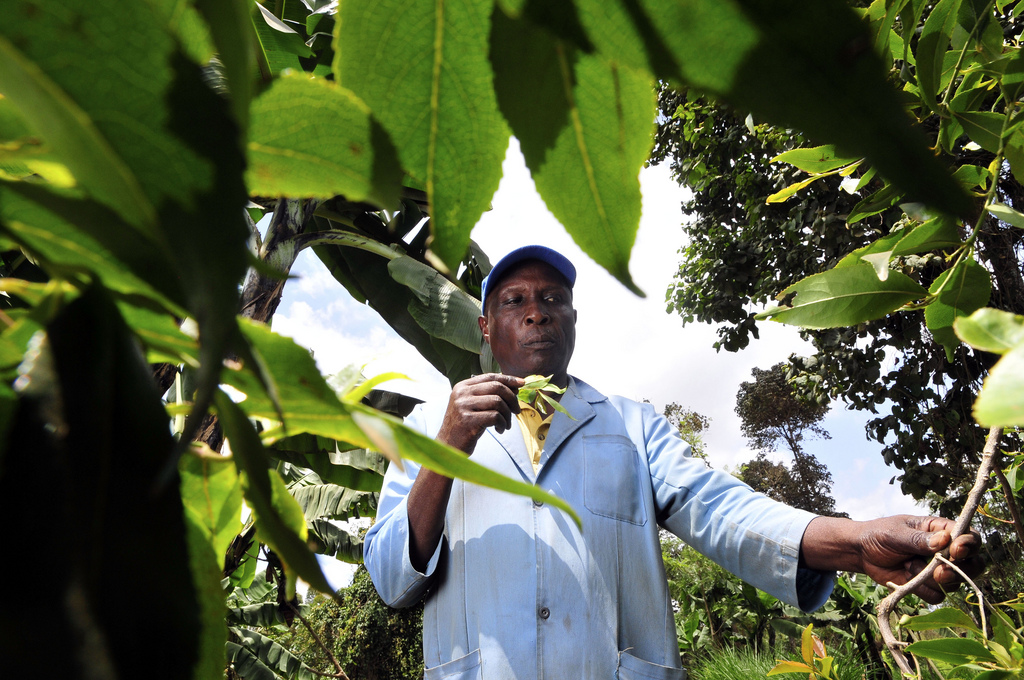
column 989, row 462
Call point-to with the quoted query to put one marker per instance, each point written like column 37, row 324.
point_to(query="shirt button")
column 538, row 504
column 544, row 612
column 541, row 437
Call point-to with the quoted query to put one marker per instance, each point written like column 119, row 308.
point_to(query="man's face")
column 530, row 323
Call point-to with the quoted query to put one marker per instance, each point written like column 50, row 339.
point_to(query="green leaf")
column 280, row 519
column 586, row 150
column 882, row 247
column 936, row 234
column 803, row 65
column 991, row 330
column 815, row 159
column 447, row 128
column 312, row 139
column 355, row 469
column 790, row 667
column 787, row 192
column 844, row 296
column 880, row 201
column 330, row 501
column 931, row 49
column 257, row 657
column 952, row 650
column 440, row 307
column 261, row 615
column 336, row 541
column 1007, row 214
column 212, row 494
column 983, row 127
column 1001, row 400
column 79, row 235
column 965, row 288
column 946, row 617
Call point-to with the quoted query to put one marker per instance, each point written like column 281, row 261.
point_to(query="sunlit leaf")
column 844, row 296
column 1007, row 214
column 586, row 149
column 212, row 494
column 984, row 128
column 339, row 149
column 789, row 667
column 936, row 234
column 945, row 617
column 991, row 330
column 1001, row 400
column 815, row 159
column 447, row 129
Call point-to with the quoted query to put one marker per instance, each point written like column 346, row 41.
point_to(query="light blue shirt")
column 516, row 590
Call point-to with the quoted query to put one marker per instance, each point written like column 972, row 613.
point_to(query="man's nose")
column 537, row 314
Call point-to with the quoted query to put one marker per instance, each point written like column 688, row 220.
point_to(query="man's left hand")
column 893, row 549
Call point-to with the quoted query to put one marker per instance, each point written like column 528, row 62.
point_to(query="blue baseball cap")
column 542, row 253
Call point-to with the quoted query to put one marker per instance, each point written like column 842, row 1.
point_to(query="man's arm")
column 891, row 549
column 475, row 404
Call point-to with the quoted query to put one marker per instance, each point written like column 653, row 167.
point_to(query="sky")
column 625, row 344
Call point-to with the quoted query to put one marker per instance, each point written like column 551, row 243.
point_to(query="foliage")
column 691, row 426
column 772, row 209
column 772, row 413
column 815, row 661
column 140, row 141
column 369, row 639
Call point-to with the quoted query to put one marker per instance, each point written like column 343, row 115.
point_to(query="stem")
column 989, row 460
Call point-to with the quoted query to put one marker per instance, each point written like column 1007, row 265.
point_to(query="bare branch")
column 327, row 650
column 989, row 462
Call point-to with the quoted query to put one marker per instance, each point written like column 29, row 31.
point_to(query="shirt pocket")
column 611, row 478
column 464, row 668
column 634, row 668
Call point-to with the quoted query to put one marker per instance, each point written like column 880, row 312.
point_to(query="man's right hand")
column 476, row 404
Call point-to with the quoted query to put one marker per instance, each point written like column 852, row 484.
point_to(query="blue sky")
column 625, row 344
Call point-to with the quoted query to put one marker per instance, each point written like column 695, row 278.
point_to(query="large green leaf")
column 258, row 657
column 440, row 307
column 803, row 65
column 121, row 529
column 584, row 126
column 991, row 330
column 310, row 138
column 965, row 288
column 357, row 469
column 844, row 296
column 262, row 615
column 422, row 67
column 338, row 542
column 1001, row 401
column 330, row 501
column 366, row 277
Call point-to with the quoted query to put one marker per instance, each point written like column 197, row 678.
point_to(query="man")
column 516, row 590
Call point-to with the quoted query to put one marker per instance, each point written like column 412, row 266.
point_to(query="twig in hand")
column 989, row 462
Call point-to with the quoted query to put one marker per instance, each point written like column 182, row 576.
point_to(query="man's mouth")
column 539, row 343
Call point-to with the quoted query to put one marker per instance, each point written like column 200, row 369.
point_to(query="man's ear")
column 482, row 322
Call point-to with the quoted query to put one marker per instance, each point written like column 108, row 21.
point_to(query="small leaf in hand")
column 538, row 387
